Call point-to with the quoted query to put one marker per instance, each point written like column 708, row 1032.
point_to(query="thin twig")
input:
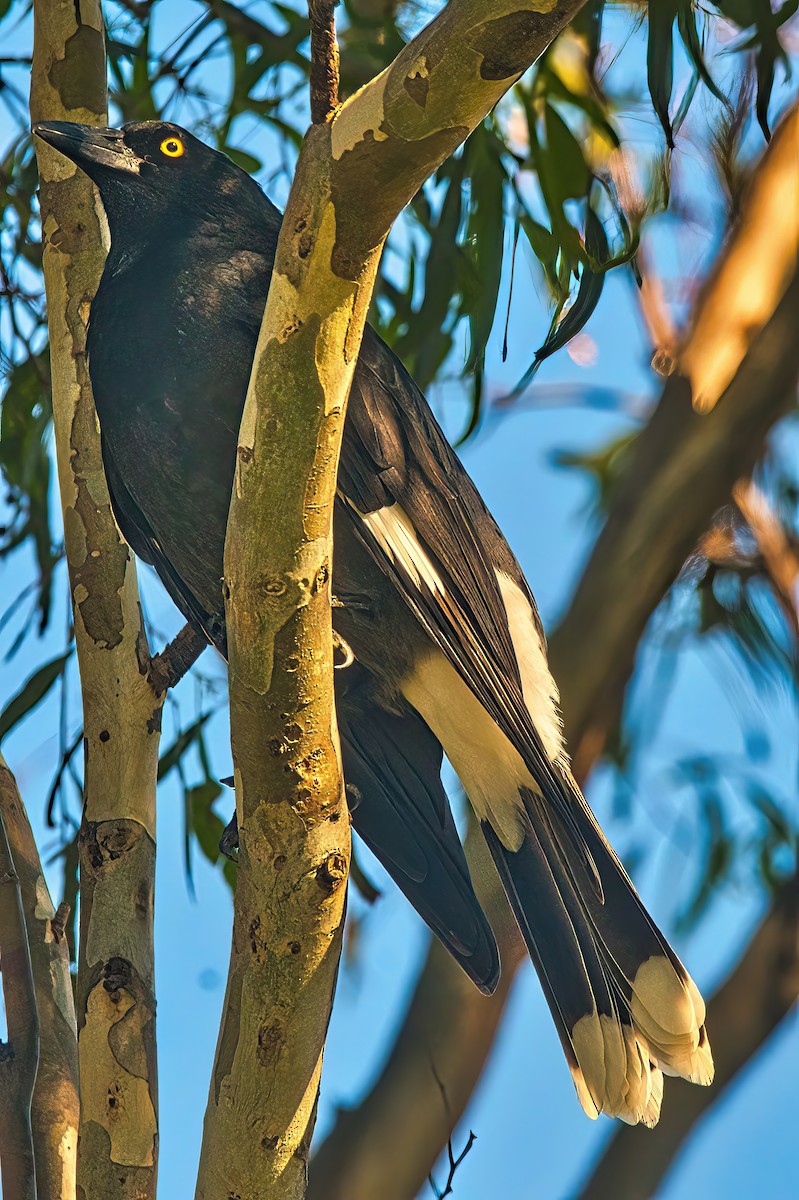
column 169, row 667
column 454, row 1162
column 19, row 1056
column 780, row 559
column 324, row 60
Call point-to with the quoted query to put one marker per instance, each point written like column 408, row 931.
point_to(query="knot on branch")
column 58, row 924
column 118, row 975
column 332, row 873
column 101, row 842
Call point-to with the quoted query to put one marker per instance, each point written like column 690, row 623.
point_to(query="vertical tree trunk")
column 54, row 1109
column 118, row 1139
column 380, row 145
column 19, row 1056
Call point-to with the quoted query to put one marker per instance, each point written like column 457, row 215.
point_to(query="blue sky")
column 534, row 1142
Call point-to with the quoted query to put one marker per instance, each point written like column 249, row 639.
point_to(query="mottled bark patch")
column 97, row 555
column 417, row 86
column 393, row 171
column 504, row 43
column 81, row 71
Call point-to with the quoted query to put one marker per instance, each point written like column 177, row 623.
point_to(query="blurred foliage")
column 741, row 830
column 534, row 188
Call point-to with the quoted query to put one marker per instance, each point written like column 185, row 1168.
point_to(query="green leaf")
column 485, row 236
column 32, row 693
column 171, row 757
column 565, row 166
column 588, row 292
column 686, row 24
column 247, row 162
column 587, row 103
column 207, row 827
column 660, row 60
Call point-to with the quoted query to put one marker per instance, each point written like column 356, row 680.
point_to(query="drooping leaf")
column 660, row 60
column 566, row 168
column 32, row 692
column 484, row 240
column 764, row 40
column 686, row 24
column 204, row 825
column 184, row 740
column 567, row 322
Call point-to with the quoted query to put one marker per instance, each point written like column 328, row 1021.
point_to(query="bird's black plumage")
column 444, row 629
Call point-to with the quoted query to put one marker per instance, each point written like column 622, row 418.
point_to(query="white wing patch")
column 538, row 687
column 393, row 530
column 489, row 767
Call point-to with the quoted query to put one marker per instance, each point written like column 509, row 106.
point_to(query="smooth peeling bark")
column 54, row 1107
column 684, row 467
column 117, row 1151
column 293, row 821
column 381, row 145
column 433, row 1068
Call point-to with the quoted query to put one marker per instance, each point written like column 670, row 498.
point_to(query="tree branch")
column 682, row 469
column 780, row 559
column 382, row 143
column 115, row 1004
column 686, row 461
column 324, row 60
column 54, row 1110
column 741, row 1016
column 168, row 668
column 19, row 1056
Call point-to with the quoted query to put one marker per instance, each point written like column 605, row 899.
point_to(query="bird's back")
column 172, row 337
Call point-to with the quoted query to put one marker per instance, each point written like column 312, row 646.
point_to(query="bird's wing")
column 401, row 811
column 423, row 521
column 137, row 532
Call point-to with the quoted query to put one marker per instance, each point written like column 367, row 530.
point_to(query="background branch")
column 19, row 1056
column 684, row 464
column 682, row 468
column 54, row 1110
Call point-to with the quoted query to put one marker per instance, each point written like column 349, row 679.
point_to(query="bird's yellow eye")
column 172, row 147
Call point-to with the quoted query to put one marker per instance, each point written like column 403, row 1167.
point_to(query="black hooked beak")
column 88, row 146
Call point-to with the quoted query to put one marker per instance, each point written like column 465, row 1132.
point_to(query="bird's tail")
column 625, row 1007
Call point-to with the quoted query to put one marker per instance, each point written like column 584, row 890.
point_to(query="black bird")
column 449, row 650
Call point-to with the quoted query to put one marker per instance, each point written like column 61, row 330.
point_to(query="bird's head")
column 149, row 172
